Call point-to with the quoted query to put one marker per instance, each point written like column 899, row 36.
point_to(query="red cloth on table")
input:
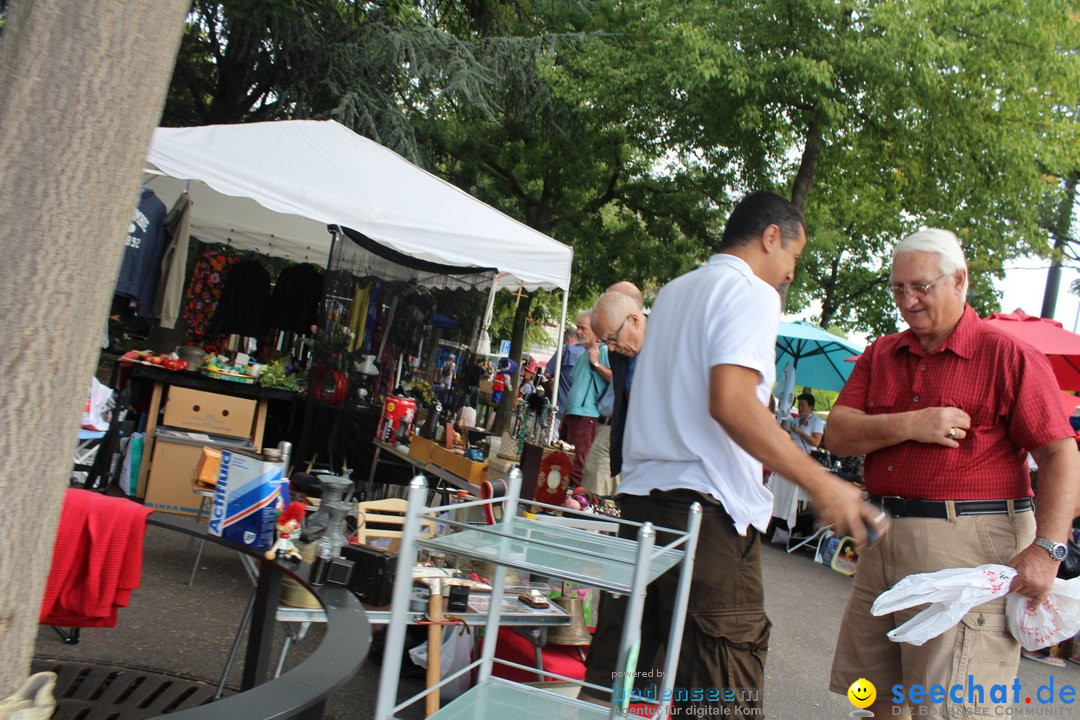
column 515, row 647
column 97, row 560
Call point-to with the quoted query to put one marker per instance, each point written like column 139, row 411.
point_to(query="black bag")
column 1070, row 566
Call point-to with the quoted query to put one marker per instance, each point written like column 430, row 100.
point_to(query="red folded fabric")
column 515, row 647
column 97, row 560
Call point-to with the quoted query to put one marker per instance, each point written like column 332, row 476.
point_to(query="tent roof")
column 275, row 186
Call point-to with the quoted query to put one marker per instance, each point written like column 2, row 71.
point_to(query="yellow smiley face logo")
column 862, row 693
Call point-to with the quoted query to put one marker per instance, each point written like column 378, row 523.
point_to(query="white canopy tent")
column 274, row 187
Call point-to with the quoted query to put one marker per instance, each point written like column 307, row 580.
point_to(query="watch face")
column 1059, row 552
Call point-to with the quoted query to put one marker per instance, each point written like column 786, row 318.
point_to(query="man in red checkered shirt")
column 946, row 413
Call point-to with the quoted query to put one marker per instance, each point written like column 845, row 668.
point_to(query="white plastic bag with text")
column 1055, row 619
column 951, row 593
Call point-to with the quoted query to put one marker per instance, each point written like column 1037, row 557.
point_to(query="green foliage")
column 628, row 128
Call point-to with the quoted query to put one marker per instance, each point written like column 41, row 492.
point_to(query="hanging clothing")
column 294, row 302
column 145, row 242
column 204, row 291
column 360, row 308
column 242, row 307
column 97, row 560
column 169, row 298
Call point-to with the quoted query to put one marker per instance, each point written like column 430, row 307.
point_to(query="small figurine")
column 288, row 527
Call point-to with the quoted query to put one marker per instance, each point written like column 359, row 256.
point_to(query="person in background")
column 570, row 352
column 527, row 387
column 946, row 413
column 807, row 429
column 619, row 323
column 591, row 378
column 697, row 431
column 446, row 379
column 474, row 373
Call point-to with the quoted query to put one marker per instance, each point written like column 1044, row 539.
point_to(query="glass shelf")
column 500, row 699
column 582, row 557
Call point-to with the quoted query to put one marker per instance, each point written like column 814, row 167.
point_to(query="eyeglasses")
column 919, row 290
column 615, row 338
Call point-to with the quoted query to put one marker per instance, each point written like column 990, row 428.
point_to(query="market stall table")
column 164, row 379
column 395, row 455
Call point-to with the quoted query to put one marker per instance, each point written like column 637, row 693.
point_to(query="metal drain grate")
column 86, row 691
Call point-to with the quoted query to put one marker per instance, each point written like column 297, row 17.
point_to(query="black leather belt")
column 899, row 507
column 604, row 420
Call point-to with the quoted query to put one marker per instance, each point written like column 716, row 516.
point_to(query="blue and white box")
column 247, row 499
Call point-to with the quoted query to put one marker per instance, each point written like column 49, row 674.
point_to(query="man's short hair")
column 757, row 211
column 808, row 398
column 934, row 240
column 570, row 334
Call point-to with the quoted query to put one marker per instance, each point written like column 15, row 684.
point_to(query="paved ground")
column 187, row 631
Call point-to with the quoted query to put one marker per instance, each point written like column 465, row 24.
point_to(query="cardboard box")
column 420, row 449
column 209, row 412
column 472, row 472
column 169, row 487
column 247, row 499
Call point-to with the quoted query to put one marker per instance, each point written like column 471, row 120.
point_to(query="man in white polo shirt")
column 698, row 430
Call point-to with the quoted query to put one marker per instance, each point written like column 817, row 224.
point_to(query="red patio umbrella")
column 1058, row 344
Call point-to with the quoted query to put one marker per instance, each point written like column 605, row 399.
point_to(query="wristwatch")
column 596, row 363
column 1057, row 550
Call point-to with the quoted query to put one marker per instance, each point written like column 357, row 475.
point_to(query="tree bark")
column 804, row 179
column 1062, row 237
column 82, row 84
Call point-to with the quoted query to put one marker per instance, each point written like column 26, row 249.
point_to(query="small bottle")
column 324, row 553
column 461, row 496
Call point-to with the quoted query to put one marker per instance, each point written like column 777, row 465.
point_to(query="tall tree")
column 70, row 178
column 879, row 115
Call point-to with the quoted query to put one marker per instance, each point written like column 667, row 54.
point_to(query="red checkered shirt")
column 1007, row 387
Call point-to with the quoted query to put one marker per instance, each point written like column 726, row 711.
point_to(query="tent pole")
column 558, row 363
column 483, row 343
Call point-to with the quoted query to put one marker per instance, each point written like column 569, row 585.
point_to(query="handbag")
column 1070, row 566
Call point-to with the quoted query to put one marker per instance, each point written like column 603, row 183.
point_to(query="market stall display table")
column 395, row 454
column 222, row 392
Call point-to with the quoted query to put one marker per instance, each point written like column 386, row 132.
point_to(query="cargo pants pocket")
column 727, row 651
column 988, row 652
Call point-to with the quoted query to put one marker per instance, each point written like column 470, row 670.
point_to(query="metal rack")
column 615, row 564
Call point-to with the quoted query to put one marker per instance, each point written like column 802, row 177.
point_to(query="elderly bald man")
column 619, row 322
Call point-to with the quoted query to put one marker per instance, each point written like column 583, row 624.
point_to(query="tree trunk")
column 517, row 338
column 1062, row 236
column 82, row 84
column 804, row 179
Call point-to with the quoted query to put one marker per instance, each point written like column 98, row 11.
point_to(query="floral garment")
column 203, row 293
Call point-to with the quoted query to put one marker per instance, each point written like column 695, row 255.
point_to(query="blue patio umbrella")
column 817, row 355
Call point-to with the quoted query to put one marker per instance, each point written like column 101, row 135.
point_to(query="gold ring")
column 951, row 434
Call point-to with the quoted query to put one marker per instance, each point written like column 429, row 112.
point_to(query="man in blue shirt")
column 571, row 351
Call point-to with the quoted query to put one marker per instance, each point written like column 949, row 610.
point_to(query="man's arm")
column 853, row 432
column 812, row 439
column 734, row 404
column 1056, row 506
column 598, row 364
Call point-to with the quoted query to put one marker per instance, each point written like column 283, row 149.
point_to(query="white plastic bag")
column 1055, row 619
column 98, row 407
column 951, row 592
column 456, row 654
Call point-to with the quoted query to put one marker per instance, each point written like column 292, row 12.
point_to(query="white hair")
column 942, row 243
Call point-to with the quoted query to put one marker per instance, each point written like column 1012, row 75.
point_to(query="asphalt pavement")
column 173, row 628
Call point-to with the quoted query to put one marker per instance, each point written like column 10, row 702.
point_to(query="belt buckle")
column 898, row 503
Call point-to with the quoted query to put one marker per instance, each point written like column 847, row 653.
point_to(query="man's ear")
column 771, row 238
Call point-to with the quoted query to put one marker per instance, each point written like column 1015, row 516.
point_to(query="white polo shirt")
column 719, row 314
